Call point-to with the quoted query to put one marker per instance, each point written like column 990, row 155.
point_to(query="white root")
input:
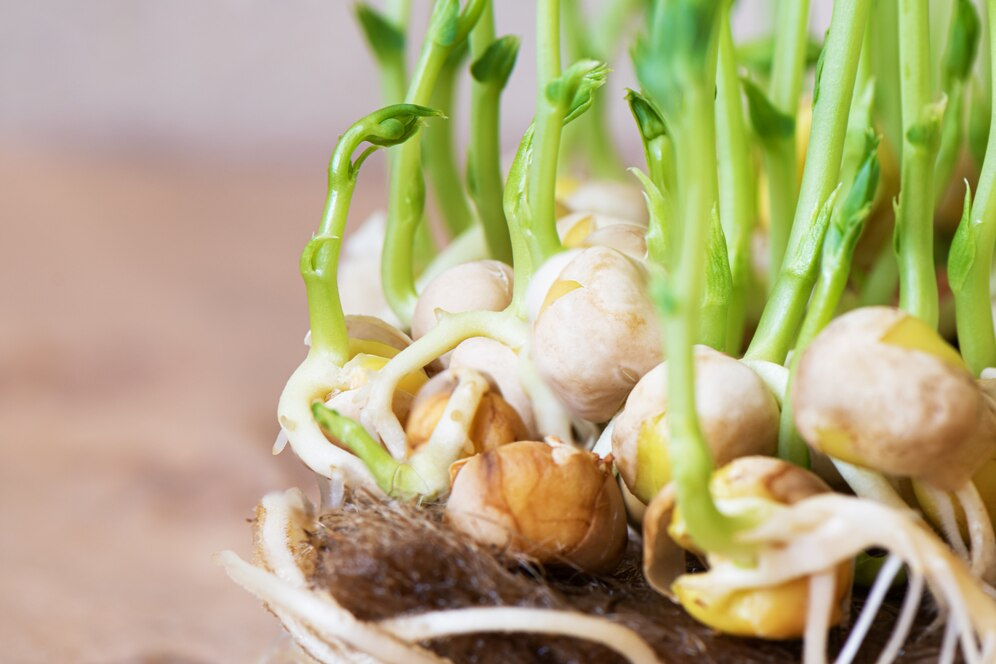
column 312, row 381
column 451, row 436
column 947, row 520
column 775, row 376
column 437, row 624
column 822, row 587
column 378, row 416
column 325, row 617
column 820, row 531
column 860, row 629
column 948, row 645
column 330, row 633
column 911, row 603
column 869, row 484
column 980, row 531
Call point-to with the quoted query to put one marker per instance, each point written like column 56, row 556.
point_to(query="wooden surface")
column 151, row 310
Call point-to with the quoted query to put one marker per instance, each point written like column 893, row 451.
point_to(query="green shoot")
column 832, row 99
column 386, row 38
column 679, row 55
column 440, row 153
column 386, row 127
column 564, row 99
column 448, row 28
column 971, row 257
column 592, row 137
column 396, row 479
column 714, row 324
column 736, row 192
column 779, row 145
column 921, row 138
column 846, row 225
column 492, row 65
column 963, row 44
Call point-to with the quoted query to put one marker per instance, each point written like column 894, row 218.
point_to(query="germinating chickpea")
column 621, row 200
column 776, row 612
column 596, row 332
column 738, row 414
column 879, row 388
column 495, row 422
column 581, row 229
column 476, row 286
column 500, row 365
column 553, row 503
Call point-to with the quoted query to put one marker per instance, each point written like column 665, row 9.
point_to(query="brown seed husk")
column 382, row 559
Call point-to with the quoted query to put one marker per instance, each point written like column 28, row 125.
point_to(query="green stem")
column 880, row 285
column 847, row 224
column 406, row 192
column 517, row 212
column 736, row 193
column 914, row 213
column 591, row 134
column 355, row 438
column 440, row 154
column 885, row 64
column 779, row 155
column 484, row 154
column 972, row 254
column 320, row 259
column 835, row 86
column 955, row 71
column 714, row 322
column 688, row 35
column 779, row 164
column 546, row 139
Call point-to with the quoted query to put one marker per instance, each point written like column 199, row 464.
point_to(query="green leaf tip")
column 862, row 192
column 496, row 63
column 395, row 124
column 649, row 119
column 385, row 38
column 961, row 256
column 769, row 123
column 574, row 90
column 963, row 41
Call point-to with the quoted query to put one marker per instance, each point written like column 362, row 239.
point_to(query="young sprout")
column 501, row 366
column 879, row 388
column 834, row 86
column 738, row 415
column 737, row 207
column 321, row 373
column 921, row 139
column 550, row 502
column 773, row 117
column 955, row 70
column 440, row 152
column 596, row 332
column 494, row 423
column 774, row 612
column 449, row 26
column 971, row 258
column 493, row 60
column 599, row 39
